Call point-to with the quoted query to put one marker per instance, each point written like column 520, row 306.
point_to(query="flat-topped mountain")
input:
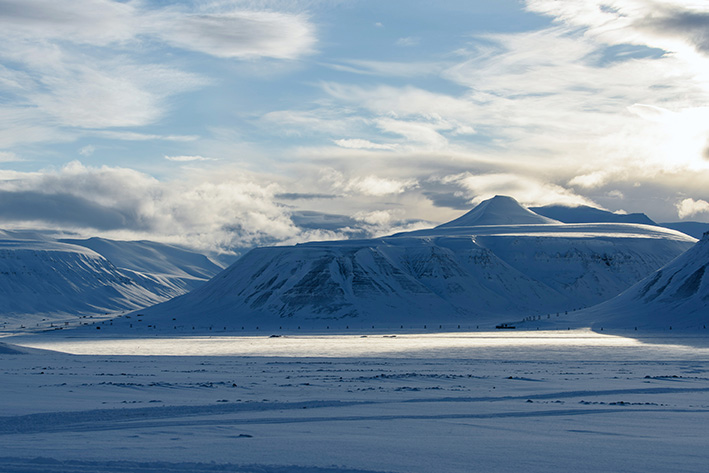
column 497, row 261
column 587, row 214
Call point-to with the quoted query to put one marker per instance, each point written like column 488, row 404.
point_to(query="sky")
column 228, row 124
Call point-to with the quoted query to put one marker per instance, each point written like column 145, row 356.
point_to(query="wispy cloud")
column 90, row 64
column 366, row 185
column 185, row 159
column 389, row 68
column 528, row 190
column 357, row 143
column 408, row 41
column 87, row 150
column 8, row 157
column 240, row 34
column 135, row 136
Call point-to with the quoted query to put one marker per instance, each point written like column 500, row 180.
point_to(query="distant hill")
column 587, row 214
column 695, row 229
column 42, row 278
column 508, row 263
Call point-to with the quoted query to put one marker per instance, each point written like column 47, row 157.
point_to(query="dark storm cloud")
column 60, row 209
column 322, row 221
column 303, row 196
column 449, row 200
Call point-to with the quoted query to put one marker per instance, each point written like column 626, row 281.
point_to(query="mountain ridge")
column 46, row 279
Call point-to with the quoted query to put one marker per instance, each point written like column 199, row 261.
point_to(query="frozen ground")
column 459, row 402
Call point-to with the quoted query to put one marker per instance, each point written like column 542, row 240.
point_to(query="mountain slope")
column 449, row 274
column 42, row 278
column 676, row 295
column 179, row 269
column 45, row 277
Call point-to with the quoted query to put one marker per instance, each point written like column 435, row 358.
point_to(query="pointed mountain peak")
column 499, row 210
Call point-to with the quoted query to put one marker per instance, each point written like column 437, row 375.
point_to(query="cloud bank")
column 233, row 123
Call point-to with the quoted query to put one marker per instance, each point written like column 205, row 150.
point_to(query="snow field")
column 552, row 401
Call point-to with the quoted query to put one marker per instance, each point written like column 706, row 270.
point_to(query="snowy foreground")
column 440, row 402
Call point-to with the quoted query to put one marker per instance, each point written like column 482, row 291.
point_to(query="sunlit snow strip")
column 582, row 344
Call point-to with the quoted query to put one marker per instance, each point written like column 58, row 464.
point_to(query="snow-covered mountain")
column 45, row 278
column 694, row 229
column 177, row 268
column 499, row 210
column 587, row 214
column 500, row 259
column 677, row 295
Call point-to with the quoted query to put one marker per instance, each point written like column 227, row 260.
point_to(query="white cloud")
column 356, row 143
column 133, row 136
column 690, row 207
column 616, row 194
column 419, row 132
column 674, row 25
column 87, row 150
column 241, row 34
column 8, row 157
column 97, row 22
column 370, row 185
column 87, row 64
column 210, row 210
column 389, row 68
column 379, row 186
column 375, row 217
column 408, row 41
column 234, row 211
column 526, row 189
column 590, row 181
column 183, row 159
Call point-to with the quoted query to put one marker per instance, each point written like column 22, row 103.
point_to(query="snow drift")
column 500, row 259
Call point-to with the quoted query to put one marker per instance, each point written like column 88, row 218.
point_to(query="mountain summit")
column 499, row 210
